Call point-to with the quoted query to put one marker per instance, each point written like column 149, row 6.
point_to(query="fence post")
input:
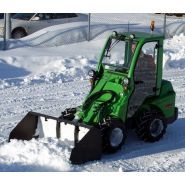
column 7, row 28
column 164, row 29
column 89, row 27
column 4, row 38
column 128, row 26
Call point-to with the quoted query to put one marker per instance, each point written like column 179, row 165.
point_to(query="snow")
column 52, row 69
column 175, row 57
column 49, row 78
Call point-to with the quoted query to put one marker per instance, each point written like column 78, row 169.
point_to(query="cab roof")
column 143, row 35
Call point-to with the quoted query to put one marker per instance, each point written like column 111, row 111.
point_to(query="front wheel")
column 150, row 126
column 114, row 135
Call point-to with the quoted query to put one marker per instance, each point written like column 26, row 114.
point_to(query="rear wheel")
column 18, row 33
column 151, row 126
column 114, row 135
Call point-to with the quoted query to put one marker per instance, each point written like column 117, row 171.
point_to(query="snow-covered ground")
column 50, row 79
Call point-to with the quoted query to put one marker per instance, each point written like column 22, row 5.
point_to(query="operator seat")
column 145, row 82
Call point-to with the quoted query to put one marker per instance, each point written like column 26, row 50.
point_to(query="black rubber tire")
column 18, row 33
column 144, row 126
column 179, row 15
column 107, row 132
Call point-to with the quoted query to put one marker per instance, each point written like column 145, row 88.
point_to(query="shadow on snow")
column 10, row 71
column 174, row 139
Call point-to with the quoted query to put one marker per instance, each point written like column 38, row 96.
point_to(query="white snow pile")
column 174, row 52
column 50, row 154
column 67, row 34
column 44, row 155
column 175, row 28
column 32, row 68
column 16, row 71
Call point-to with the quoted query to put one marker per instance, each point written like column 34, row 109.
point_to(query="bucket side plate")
column 25, row 129
column 89, row 148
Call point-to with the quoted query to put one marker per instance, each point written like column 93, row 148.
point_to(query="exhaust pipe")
column 36, row 125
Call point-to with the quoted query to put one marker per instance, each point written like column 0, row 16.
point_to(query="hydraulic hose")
column 97, row 95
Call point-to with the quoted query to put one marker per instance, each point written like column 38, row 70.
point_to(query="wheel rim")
column 156, row 127
column 116, row 137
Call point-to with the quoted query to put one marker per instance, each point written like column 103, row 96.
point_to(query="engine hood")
column 103, row 98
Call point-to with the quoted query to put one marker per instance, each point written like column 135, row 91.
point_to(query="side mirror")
column 92, row 73
column 36, row 18
column 108, row 55
column 93, row 76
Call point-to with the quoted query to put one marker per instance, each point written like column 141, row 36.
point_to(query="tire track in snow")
column 45, row 98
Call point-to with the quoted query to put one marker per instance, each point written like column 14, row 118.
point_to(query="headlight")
column 114, row 33
column 125, row 81
column 132, row 36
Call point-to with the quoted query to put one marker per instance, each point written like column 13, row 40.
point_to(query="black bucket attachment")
column 89, row 148
column 26, row 128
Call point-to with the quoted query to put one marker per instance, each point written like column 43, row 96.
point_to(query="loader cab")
column 122, row 52
column 135, row 61
column 117, row 54
column 145, row 72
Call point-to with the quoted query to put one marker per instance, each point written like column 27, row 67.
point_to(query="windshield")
column 23, row 16
column 115, row 57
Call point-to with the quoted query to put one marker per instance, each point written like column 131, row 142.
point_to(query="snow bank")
column 56, row 67
column 67, row 34
column 31, row 70
column 101, row 26
column 174, row 52
column 175, row 28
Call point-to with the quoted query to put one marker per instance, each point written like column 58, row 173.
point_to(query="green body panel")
column 96, row 111
column 109, row 81
column 165, row 102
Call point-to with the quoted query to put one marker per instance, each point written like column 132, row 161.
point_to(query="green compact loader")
column 127, row 92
